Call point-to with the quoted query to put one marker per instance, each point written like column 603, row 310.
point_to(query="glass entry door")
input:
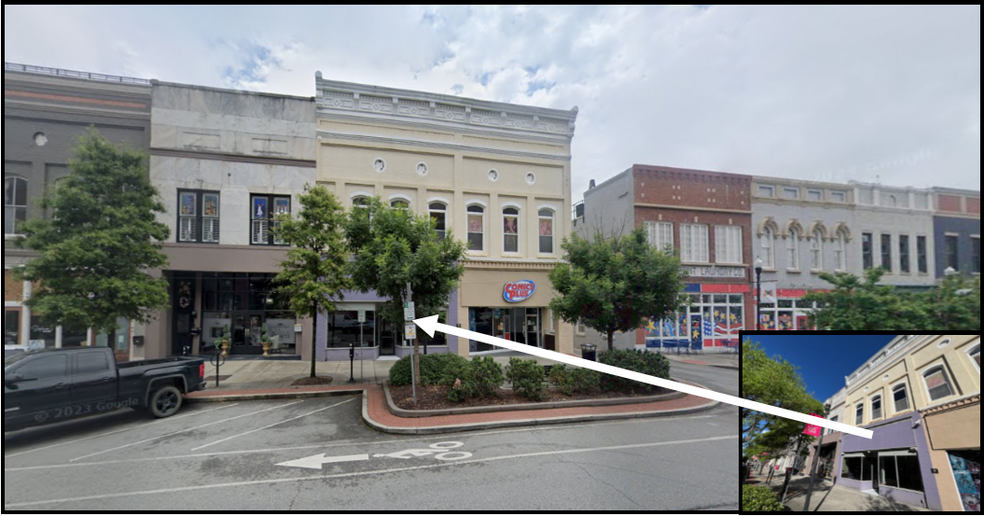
column 533, row 327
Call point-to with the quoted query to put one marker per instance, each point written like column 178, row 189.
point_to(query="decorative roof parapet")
column 72, row 74
column 343, row 98
column 889, row 351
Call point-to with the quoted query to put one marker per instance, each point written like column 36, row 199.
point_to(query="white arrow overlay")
column 317, row 461
column 430, row 325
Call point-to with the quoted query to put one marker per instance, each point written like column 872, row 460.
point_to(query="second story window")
column 660, row 235
column 510, row 230
column 14, row 204
column 727, row 244
column 198, row 216
column 975, row 254
column 476, row 228
column 867, row 258
column 546, row 231
column 792, row 250
column 921, row 254
column 263, row 212
column 439, row 212
column 840, row 251
column 901, row 398
column 950, row 252
column 859, row 414
column 816, row 251
column 876, row 407
column 938, row 383
column 694, row 246
column 886, row 252
column 768, row 248
column 400, row 204
column 904, row 254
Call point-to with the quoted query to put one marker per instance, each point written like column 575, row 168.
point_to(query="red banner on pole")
column 813, row 430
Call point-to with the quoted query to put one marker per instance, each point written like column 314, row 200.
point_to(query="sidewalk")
column 723, row 360
column 828, row 497
column 259, row 380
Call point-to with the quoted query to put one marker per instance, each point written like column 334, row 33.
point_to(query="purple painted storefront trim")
column 453, row 321
column 905, row 431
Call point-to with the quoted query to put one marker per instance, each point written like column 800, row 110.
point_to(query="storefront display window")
column 785, row 315
column 244, row 303
column 522, row 325
column 11, row 326
column 721, row 317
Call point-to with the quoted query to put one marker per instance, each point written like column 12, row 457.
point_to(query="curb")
column 397, row 411
column 275, row 396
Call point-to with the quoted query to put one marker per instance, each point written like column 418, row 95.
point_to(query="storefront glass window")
column 116, row 339
column 856, row 468
column 344, row 329
column 11, row 327
column 909, row 476
column 887, row 471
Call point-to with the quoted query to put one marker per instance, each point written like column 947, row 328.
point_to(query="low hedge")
column 575, row 380
column 645, row 362
column 527, row 377
column 433, row 369
column 759, row 499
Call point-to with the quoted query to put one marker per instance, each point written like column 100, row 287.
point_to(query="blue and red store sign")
column 518, row 291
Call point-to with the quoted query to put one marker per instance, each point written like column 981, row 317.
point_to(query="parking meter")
column 351, row 363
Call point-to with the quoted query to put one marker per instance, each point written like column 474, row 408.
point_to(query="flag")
column 769, row 292
column 708, row 328
column 813, row 430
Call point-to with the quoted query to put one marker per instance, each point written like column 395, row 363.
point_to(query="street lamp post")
column 758, row 293
column 816, row 458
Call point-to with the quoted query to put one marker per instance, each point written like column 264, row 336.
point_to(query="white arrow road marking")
column 430, row 325
column 317, row 461
column 271, row 426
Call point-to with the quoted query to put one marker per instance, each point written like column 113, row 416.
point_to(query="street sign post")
column 408, row 312
column 410, row 331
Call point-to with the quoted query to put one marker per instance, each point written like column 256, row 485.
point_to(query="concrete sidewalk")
column 828, row 497
column 723, row 360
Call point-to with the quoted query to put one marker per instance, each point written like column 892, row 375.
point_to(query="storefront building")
column 802, row 228
column 949, row 401
column 45, row 110
column 496, row 175
column 225, row 163
column 830, row 452
column 957, row 230
column 706, row 218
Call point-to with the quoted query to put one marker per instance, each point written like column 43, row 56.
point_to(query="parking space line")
column 273, row 425
column 272, row 481
column 134, row 427
column 341, row 445
column 184, row 431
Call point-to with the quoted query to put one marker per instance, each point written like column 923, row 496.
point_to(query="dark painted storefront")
column 958, row 244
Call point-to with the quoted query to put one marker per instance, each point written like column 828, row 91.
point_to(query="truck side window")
column 92, row 363
column 43, row 368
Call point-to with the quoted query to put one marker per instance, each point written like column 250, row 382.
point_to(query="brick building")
column 705, row 217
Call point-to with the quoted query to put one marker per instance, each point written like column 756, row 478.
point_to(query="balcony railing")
column 58, row 72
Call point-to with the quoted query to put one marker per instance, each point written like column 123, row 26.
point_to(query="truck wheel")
column 165, row 402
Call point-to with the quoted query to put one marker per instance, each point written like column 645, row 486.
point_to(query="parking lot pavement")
column 316, row 454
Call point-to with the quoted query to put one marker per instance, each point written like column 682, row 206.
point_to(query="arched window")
column 439, row 212
column 840, row 254
column 900, row 398
column 400, row 203
column 768, row 248
column 937, row 383
column 546, row 231
column 510, row 230
column 360, row 201
column 14, row 204
column 876, row 407
column 975, row 355
column 816, row 251
column 859, row 414
column 792, row 249
column 476, row 228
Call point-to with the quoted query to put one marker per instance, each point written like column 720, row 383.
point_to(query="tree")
column 614, row 284
column 393, row 247
column 100, row 239
column 863, row 304
column 314, row 273
column 774, row 382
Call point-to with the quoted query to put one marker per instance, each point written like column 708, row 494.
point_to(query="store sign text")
column 716, row 272
column 518, row 291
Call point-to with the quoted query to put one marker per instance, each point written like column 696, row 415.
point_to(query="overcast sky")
column 829, row 93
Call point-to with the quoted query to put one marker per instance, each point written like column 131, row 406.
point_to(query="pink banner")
column 813, row 430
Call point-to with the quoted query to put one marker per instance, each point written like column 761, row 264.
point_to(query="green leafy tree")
column 863, row 304
column 615, row 284
column 100, row 239
column 955, row 304
column 393, row 247
column 314, row 275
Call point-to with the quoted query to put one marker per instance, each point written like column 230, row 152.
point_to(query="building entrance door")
column 533, row 327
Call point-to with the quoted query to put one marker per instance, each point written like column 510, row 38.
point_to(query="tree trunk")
column 611, row 341
column 416, row 362
column 314, row 345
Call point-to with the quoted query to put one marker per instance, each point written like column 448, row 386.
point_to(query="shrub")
column 759, row 499
column 486, row 377
column 433, row 368
column 585, row 380
column 562, row 379
column 527, row 377
column 645, row 362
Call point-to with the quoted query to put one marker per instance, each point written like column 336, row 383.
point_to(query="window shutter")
column 210, row 230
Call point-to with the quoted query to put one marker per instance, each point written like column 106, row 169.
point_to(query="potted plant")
column 265, row 341
column 223, row 341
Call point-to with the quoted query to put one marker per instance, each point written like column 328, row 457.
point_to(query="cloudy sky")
column 829, row 93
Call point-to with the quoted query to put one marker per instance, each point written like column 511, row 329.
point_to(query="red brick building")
column 706, row 218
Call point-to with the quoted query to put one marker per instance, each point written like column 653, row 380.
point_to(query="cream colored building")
column 497, row 175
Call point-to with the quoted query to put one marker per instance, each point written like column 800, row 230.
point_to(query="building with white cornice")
column 497, row 175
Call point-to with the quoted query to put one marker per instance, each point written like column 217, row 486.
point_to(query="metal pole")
column 758, row 298
column 413, row 356
column 362, row 361
column 816, row 458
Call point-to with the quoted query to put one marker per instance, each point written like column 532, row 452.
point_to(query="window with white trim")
column 900, row 398
column 694, row 246
column 937, row 383
column 766, row 191
column 400, row 204
column 840, row 251
column 859, row 414
column 975, row 355
column 815, row 195
column 546, row 217
column 792, row 250
column 476, row 228
column 838, row 196
column 816, row 251
column 768, row 241
column 264, row 210
column 660, row 235
column 198, row 216
column 727, row 244
column 790, row 193
column 876, row 407
column 14, row 204
column 581, row 329
column 510, row 230
column 439, row 212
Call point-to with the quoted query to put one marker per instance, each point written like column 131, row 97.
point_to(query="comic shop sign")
column 519, row 291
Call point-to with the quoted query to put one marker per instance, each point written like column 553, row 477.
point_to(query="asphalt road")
column 317, row 455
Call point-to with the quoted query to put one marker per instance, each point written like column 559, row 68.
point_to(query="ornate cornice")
column 513, row 265
column 952, row 405
column 391, row 140
column 235, row 158
column 335, row 97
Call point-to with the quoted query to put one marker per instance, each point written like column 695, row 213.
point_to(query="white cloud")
column 810, row 92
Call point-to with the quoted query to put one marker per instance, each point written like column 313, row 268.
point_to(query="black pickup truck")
column 53, row 385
